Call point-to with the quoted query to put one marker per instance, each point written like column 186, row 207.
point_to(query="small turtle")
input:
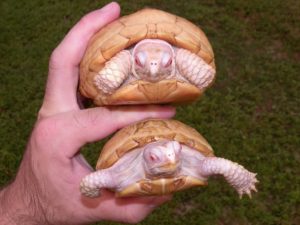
column 157, row 157
column 150, row 56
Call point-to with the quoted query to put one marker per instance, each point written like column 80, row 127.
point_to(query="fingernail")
column 165, row 111
column 108, row 6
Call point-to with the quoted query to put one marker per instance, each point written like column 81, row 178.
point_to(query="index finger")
column 62, row 81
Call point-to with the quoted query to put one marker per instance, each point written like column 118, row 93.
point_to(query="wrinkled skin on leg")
column 242, row 180
column 127, row 170
column 197, row 165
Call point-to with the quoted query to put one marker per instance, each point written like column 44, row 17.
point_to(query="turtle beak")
column 170, row 166
column 153, row 67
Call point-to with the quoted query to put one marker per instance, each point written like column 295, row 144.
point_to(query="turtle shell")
column 142, row 133
column 125, row 32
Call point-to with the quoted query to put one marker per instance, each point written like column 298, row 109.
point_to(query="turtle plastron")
column 161, row 186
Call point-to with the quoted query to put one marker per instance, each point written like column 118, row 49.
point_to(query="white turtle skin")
column 164, row 159
column 153, row 60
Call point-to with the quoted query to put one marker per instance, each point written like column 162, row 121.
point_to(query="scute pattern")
column 160, row 186
column 144, row 132
column 128, row 30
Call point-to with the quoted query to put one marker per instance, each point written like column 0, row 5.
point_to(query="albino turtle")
column 150, row 56
column 157, row 157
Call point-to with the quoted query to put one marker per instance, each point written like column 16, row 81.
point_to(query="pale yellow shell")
column 128, row 30
column 144, row 132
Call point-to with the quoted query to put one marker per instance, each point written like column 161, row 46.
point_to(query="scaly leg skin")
column 91, row 184
column 115, row 71
column 236, row 175
column 194, row 68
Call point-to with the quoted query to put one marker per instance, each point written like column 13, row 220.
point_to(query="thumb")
column 138, row 211
column 130, row 209
column 93, row 124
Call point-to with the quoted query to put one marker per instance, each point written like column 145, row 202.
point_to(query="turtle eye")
column 137, row 62
column 140, row 59
column 166, row 59
column 153, row 157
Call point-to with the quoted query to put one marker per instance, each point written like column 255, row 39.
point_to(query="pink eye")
column 137, row 61
column 168, row 63
column 166, row 59
column 140, row 59
column 153, row 157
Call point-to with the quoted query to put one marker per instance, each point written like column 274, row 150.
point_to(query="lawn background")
column 250, row 115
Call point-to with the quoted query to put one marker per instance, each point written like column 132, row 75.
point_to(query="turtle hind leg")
column 89, row 191
column 91, row 184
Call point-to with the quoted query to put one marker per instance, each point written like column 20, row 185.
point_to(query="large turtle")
column 150, row 56
column 157, row 157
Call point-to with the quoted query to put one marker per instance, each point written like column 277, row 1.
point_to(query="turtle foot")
column 89, row 190
column 242, row 180
column 246, row 185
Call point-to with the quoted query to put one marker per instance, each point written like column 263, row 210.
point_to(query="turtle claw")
column 248, row 192
column 247, row 189
column 242, row 180
column 253, row 186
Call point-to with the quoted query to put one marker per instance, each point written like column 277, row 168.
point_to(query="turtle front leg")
column 194, row 68
column 236, row 175
column 91, row 184
column 115, row 71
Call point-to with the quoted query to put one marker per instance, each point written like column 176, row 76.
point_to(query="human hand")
column 46, row 188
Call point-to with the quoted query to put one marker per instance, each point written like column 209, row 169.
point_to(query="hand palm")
column 52, row 166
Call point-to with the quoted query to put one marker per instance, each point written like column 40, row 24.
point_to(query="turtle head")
column 153, row 60
column 162, row 158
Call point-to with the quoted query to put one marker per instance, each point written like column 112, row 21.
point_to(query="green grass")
column 250, row 115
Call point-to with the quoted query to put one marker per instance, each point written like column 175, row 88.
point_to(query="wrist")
column 19, row 205
column 16, row 208
column 5, row 216
column 5, row 207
